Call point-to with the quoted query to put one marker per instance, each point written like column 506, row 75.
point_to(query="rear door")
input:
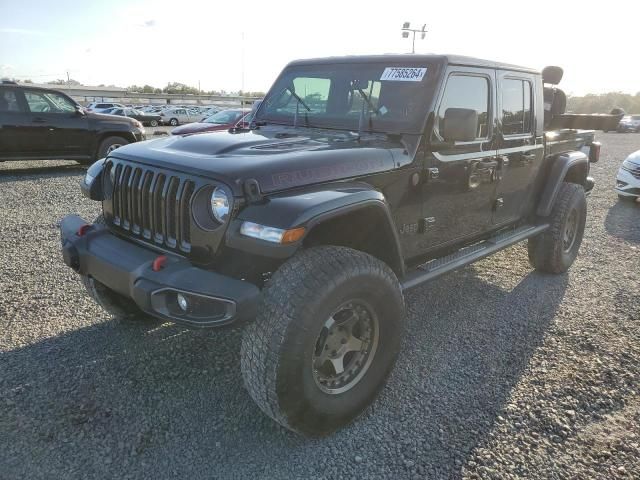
column 520, row 151
column 57, row 128
column 14, row 125
column 459, row 192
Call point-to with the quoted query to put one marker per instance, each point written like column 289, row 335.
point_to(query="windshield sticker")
column 403, row 74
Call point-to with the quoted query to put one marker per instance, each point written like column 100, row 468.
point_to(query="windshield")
column 224, row 117
column 390, row 98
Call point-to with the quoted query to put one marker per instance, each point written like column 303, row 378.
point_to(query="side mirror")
column 460, row 125
column 79, row 110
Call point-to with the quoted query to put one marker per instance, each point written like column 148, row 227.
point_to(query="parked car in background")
column 208, row 111
column 178, row 116
column 629, row 123
column 151, row 119
column 45, row 124
column 99, row 107
column 222, row 120
column 151, row 109
column 628, row 178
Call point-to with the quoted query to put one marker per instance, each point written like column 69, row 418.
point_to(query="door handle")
column 39, row 120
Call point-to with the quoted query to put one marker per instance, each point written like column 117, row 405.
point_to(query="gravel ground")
column 505, row 373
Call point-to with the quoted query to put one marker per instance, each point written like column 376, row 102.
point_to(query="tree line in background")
column 181, row 88
column 172, row 87
column 604, row 103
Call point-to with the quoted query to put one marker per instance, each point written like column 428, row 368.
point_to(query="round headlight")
column 220, row 205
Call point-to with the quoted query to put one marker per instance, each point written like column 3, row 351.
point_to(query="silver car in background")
column 179, row 115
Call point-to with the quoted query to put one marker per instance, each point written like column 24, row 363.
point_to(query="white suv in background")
column 628, row 178
column 99, row 107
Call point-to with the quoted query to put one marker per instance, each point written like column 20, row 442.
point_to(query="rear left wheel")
column 554, row 250
column 325, row 340
column 153, row 123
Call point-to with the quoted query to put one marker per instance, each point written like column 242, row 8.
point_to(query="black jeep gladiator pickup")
column 359, row 178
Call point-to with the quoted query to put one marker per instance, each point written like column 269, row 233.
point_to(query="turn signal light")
column 292, row 235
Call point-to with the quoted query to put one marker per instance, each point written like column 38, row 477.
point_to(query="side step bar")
column 439, row 266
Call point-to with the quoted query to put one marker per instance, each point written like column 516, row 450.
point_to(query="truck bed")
column 567, row 139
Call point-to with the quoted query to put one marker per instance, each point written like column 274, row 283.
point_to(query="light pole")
column 406, row 28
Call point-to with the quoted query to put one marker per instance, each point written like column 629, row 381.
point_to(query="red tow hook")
column 84, row 229
column 158, row 263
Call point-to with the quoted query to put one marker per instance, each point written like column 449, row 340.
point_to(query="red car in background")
column 222, row 120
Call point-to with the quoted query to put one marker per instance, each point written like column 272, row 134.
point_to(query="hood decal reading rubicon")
column 351, row 168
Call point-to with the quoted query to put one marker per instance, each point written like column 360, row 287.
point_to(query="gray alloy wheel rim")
column 173, row 122
column 345, row 347
column 154, row 123
column 113, row 147
column 570, row 230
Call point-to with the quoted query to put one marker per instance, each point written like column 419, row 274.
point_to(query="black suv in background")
column 42, row 124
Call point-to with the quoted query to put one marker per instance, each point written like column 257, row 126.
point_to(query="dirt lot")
column 505, row 372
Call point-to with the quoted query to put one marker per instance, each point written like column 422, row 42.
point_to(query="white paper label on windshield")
column 403, row 74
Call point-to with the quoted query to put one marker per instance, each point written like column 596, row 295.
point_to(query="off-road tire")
column 277, row 349
column 118, row 306
column 547, row 252
column 108, row 143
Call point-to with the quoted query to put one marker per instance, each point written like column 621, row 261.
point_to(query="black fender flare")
column 308, row 208
column 560, row 167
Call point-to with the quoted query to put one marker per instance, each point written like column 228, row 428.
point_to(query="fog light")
column 182, row 302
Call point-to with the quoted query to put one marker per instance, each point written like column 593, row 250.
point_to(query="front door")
column 57, row 128
column 520, row 150
column 460, row 186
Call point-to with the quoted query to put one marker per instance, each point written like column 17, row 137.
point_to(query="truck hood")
column 278, row 158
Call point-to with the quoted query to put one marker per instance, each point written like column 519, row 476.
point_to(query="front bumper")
column 627, row 184
column 127, row 268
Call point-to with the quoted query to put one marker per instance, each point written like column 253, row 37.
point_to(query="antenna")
column 406, row 29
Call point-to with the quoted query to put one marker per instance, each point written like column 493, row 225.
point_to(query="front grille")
column 151, row 205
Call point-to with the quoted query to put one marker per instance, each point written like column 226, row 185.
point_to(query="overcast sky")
column 124, row 42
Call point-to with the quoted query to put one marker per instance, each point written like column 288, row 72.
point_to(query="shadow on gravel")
column 26, row 173
column 122, row 396
column 623, row 221
column 469, row 343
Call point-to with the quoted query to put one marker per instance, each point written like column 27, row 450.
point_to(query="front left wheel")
column 325, row 340
column 110, row 144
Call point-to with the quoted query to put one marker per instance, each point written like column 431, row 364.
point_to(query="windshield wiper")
column 371, row 109
column 299, row 102
column 297, row 97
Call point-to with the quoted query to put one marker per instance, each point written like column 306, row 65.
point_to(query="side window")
column 9, row 101
column 516, row 107
column 48, row 102
column 471, row 92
